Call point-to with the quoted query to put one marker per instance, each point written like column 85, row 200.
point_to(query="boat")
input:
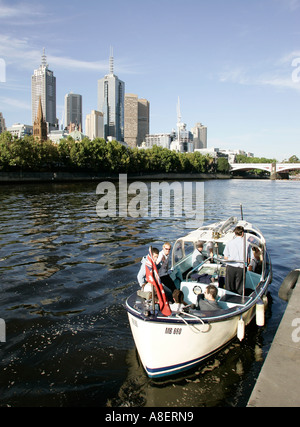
column 169, row 342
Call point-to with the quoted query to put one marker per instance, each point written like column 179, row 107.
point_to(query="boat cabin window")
column 188, row 248
column 177, row 251
column 182, row 249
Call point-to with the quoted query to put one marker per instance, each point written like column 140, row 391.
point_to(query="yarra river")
column 65, row 274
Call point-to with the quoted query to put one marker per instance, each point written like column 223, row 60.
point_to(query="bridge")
column 273, row 168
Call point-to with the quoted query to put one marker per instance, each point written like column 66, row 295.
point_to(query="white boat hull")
column 180, row 346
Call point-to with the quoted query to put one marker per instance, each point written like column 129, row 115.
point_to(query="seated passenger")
column 197, row 257
column 178, row 304
column 141, row 277
column 207, row 301
column 210, row 251
column 256, row 261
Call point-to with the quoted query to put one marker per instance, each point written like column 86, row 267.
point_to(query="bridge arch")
column 272, row 168
column 248, row 166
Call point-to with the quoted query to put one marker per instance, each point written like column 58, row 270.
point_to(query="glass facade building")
column 111, row 93
column 43, row 84
column 73, row 110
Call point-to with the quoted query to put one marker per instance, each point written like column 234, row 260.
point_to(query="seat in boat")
column 234, row 299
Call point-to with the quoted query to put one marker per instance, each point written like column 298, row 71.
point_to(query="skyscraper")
column 200, row 136
column 111, row 93
column 136, row 119
column 94, row 125
column 2, row 123
column 43, row 84
column 73, row 110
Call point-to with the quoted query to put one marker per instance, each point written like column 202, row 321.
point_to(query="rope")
column 193, row 327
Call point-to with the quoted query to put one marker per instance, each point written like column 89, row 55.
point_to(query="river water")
column 65, row 274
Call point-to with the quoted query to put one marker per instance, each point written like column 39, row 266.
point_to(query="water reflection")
column 209, row 385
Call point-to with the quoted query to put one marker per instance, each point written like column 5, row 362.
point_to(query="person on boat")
column 256, row 261
column 163, row 267
column 178, row 298
column 198, row 257
column 152, row 277
column 207, row 301
column 210, row 250
column 236, row 251
column 142, row 272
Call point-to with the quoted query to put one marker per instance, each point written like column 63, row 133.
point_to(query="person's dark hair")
column 178, row 296
column 155, row 251
column 212, row 290
column 239, row 230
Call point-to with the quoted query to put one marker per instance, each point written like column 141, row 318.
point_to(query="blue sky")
column 234, row 64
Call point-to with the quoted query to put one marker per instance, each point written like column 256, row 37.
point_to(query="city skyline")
column 235, row 66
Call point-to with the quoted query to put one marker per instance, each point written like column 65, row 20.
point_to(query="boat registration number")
column 173, row 331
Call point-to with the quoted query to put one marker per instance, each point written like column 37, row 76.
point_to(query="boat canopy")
column 215, row 237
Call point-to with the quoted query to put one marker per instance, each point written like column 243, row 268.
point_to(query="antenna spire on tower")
column 44, row 59
column 111, row 61
column 178, row 111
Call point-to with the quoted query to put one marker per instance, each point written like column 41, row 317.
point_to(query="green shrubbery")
column 99, row 156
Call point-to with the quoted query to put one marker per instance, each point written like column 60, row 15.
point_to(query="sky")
column 234, row 64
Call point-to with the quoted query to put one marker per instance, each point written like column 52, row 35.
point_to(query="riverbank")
column 27, row 177
column 278, row 383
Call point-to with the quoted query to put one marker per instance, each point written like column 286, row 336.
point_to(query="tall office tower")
column 131, row 112
column 73, row 111
column 136, row 120
column 111, row 93
column 94, row 127
column 2, row 123
column 43, row 84
column 200, row 136
column 144, row 120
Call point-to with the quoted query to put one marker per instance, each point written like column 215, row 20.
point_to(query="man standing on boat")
column 235, row 253
column 163, row 266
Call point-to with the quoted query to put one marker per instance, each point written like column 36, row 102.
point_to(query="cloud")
column 234, row 75
column 281, row 83
column 76, row 64
column 19, row 52
column 283, row 73
column 21, row 10
column 13, row 104
column 291, row 5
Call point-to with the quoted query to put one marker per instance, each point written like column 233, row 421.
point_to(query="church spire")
column 40, row 116
column 40, row 126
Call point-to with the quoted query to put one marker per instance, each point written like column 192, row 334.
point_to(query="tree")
column 222, row 165
column 293, row 159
